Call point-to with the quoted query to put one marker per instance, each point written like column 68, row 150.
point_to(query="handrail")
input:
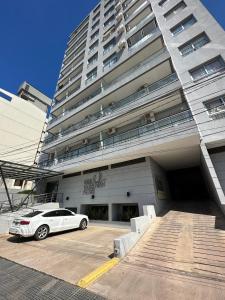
column 113, row 82
column 170, row 121
column 130, row 50
column 121, row 103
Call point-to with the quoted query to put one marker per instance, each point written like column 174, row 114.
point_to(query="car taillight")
column 24, row 222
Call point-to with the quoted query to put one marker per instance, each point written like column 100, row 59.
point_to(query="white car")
column 39, row 223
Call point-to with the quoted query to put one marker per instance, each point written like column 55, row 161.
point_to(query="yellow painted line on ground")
column 91, row 277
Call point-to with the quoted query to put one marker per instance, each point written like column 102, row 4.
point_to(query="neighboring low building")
column 138, row 115
column 22, row 126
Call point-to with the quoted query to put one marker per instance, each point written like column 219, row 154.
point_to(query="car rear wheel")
column 83, row 224
column 41, row 233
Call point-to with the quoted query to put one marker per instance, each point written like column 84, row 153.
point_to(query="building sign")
column 90, row 184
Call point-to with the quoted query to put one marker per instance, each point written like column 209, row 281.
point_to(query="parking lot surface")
column 69, row 256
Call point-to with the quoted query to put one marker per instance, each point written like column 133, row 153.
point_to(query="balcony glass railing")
column 90, row 79
column 136, row 45
column 140, row 24
column 130, row 14
column 114, row 107
column 113, row 82
column 171, row 121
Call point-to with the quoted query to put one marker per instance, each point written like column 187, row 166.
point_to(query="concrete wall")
column 136, row 179
column 213, row 183
column 196, row 92
column 162, row 192
column 218, row 160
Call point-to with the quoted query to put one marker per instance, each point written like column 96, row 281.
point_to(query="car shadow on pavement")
column 17, row 239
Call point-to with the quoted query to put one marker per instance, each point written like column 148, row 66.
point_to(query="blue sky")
column 34, row 36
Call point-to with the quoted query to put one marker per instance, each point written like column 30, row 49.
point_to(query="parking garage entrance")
column 188, row 190
column 96, row 212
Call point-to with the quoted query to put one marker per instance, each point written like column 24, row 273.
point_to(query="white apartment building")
column 139, row 110
column 22, row 123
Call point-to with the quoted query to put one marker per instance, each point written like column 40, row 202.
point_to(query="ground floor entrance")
column 189, row 191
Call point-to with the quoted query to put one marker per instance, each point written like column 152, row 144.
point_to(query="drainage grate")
column 22, row 283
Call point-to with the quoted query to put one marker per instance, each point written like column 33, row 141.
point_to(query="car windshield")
column 33, row 214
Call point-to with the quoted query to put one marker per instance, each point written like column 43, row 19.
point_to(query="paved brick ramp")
column 19, row 282
column 183, row 242
column 181, row 256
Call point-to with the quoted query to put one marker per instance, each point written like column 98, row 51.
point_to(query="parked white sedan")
column 39, row 223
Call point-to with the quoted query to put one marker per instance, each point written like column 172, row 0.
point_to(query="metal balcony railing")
column 112, row 141
column 141, row 41
column 114, row 107
column 113, row 82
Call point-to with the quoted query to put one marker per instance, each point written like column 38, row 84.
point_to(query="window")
column 111, row 44
column 33, row 214
column 162, row 2
column 216, row 107
column 176, row 9
column 93, row 46
column 109, row 21
column 65, row 213
column 93, row 59
column 18, row 182
column 96, row 17
column 95, row 34
column 208, row 68
column 108, row 3
column 5, row 97
column 109, row 11
column 194, row 44
column 188, row 22
column 109, row 62
column 55, row 213
column 91, row 75
column 96, row 9
column 95, row 25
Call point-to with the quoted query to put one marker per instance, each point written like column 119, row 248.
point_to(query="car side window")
column 66, row 213
column 54, row 213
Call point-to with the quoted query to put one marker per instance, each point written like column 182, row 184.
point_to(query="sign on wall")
column 90, row 184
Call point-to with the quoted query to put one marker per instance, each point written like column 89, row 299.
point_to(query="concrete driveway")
column 68, row 256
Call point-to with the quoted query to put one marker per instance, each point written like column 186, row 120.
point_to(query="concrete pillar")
column 110, row 212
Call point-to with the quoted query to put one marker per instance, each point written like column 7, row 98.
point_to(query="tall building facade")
column 139, row 109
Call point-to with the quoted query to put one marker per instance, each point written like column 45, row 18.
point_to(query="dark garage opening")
column 96, row 212
column 188, row 190
column 124, row 212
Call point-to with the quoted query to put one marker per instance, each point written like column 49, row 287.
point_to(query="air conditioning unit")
column 119, row 16
column 122, row 44
column 85, row 141
column 112, row 130
column 147, row 116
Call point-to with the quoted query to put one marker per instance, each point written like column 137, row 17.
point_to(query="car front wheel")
column 83, row 224
column 41, row 233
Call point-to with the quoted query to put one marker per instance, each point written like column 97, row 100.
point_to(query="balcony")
column 113, row 141
column 90, row 79
column 79, row 52
column 143, row 40
column 132, row 70
column 76, row 44
column 135, row 10
column 110, row 110
column 140, row 24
